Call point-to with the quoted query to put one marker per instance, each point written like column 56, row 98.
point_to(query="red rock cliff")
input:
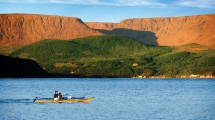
column 173, row 31
column 21, row 29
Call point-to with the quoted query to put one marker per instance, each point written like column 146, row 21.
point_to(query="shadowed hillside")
column 22, row 29
column 20, row 68
column 26, row 68
column 172, row 31
column 147, row 37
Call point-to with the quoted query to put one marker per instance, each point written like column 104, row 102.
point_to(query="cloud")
column 138, row 3
column 19, row 1
column 197, row 3
column 152, row 3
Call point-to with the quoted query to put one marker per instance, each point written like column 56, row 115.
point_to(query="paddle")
column 35, row 99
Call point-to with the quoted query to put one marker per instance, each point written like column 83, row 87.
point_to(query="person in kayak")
column 60, row 97
column 56, row 94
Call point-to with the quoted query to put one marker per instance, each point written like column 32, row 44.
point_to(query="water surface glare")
column 115, row 98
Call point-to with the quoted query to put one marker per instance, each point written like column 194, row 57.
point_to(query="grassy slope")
column 113, row 56
column 6, row 50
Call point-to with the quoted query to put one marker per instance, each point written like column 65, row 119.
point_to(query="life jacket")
column 55, row 95
column 60, row 97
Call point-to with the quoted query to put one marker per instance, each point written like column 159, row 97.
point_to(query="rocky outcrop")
column 21, row 29
column 172, row 31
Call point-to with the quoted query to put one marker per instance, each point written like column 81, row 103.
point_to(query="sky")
column 109, row 10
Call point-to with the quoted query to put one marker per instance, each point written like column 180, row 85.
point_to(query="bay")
column 115, row 98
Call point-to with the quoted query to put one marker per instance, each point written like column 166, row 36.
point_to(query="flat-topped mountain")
column 21, row 29
column 172, row 31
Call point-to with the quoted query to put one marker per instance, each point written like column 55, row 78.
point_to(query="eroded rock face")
column 173, row 31
column 21, row 29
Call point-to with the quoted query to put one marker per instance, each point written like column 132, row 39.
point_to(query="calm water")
column 114, row 99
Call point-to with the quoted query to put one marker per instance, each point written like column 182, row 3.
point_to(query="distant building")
column 194, row 76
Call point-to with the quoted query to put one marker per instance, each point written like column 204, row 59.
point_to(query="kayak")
column 51, row 100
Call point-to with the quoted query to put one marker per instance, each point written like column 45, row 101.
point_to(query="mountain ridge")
column 168, row 31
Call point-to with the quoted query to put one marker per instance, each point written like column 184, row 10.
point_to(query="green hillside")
column 117, row 56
